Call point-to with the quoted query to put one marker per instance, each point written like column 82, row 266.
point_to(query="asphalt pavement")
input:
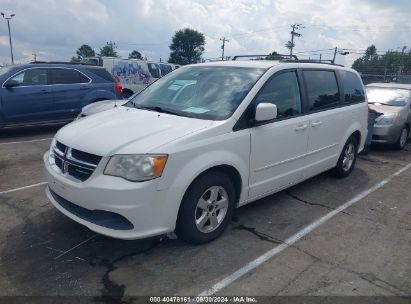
column 323, row 237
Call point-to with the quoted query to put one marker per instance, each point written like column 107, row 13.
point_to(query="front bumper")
column 114, row 202
column 386, row 134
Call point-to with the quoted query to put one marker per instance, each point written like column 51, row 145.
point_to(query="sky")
column 54, row 29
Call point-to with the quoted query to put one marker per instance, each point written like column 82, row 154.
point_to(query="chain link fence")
column 370, row 78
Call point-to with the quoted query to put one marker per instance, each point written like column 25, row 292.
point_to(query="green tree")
column 370, row 53
column 274, row 56
column 135, row 55
column 84, row 51
column 186, row 47
column 109, row 50
column 74, row 59
column 374, row 67
column 289, row 45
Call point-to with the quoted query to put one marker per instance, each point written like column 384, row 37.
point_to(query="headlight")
column 387, row 119
column 136, row 168
column 51, row 153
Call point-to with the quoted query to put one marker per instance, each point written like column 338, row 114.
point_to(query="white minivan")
column 192, row 146
column 133, row 74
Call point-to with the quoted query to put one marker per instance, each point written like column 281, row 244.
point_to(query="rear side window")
column 31, row 77
column 66, row 76
column 322, row 89
column 165, row 69
column 153, row 68
column 353, row 89
column 102, row 73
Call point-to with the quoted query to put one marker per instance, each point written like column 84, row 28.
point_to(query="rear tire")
column 206, row 208
column 347, row 159
column 402, row 139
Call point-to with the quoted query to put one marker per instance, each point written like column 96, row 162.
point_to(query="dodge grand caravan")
column 188, row 149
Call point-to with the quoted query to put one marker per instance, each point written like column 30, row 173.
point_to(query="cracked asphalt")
column 364, row 250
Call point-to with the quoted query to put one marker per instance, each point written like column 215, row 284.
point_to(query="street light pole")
column 8, row 25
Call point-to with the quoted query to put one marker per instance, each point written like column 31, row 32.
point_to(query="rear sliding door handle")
column 316, row 124
column 301, row 127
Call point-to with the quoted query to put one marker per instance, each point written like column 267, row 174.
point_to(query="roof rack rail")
column 290, row 57
column 330, row 62
column 60, row 62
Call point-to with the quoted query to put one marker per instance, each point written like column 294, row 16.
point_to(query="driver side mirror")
column 11, row 84
column 265, row 112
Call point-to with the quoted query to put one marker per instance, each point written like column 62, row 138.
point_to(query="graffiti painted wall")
column 131, row 73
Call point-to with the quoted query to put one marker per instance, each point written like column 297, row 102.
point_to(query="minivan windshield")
column 388, row 96
column 203, row 92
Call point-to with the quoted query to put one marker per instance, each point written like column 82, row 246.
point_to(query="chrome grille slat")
column 76, row 167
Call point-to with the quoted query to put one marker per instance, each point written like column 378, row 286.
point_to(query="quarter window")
column 66, row 76
column 283, row 91
column 353, row 89
column 322, row 89
column 31, row 77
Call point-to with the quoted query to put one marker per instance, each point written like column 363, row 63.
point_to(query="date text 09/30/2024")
column 203, row 299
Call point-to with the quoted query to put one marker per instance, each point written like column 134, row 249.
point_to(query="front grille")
column 86, row 157
column 75, row 163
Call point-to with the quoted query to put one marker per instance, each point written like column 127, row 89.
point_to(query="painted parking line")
column 294, row 238
column 24, row 141
column 22, row 188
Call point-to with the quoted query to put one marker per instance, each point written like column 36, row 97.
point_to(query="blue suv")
column 42, row 93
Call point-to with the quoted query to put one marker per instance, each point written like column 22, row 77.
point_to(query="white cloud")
column 56, row 29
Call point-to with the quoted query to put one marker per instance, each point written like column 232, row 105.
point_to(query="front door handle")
column 301, row 127
column 316, row 124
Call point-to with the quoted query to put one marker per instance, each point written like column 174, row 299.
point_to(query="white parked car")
column 100, row 106
column 187, row 150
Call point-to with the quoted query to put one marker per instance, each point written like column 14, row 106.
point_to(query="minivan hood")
column 124, row 130
column 384, row 109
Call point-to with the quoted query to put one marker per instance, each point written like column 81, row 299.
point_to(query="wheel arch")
column 354, row 130
column 230, row 171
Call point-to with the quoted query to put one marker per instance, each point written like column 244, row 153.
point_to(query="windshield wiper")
column 158, row 109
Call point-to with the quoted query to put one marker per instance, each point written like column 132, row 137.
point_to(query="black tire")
column 341, row 170
column 401, row 143
column 186, row 227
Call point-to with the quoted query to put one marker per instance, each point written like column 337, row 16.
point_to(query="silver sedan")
column 393, row 101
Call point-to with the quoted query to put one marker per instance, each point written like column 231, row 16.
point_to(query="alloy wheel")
column 211, row 209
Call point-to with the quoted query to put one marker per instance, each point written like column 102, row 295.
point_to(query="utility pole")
column 8, row 25
column 335, row 54
column 35, row 56
column 401, row 61
column 223, row 46
column 290, row 44
column 385, row 65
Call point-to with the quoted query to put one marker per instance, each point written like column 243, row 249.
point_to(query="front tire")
column 347, row 158
column 206, row 208
column 402, row 140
